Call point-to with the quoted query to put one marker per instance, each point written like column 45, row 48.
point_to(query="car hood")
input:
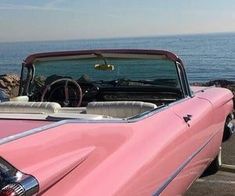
column 56, row 149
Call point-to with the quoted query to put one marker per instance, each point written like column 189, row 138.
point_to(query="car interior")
column 94, row 86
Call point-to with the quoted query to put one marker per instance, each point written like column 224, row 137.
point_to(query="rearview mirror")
column 104, row 67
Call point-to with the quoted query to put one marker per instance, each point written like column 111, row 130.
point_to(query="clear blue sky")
column 22, row 20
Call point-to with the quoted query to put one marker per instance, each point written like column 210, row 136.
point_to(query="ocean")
column 206, row 57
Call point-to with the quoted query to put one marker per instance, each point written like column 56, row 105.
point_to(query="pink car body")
column 161, row 152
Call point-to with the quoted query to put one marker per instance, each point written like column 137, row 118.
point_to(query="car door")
column 200, row 145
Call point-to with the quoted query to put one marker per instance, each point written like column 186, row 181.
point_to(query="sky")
column 31, row 20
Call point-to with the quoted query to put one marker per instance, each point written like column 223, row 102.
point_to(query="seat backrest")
column 119, row 109
column 29, row 107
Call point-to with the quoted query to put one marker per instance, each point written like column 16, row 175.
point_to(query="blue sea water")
column 206, row 57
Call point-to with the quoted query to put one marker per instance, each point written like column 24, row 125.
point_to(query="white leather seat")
column 20, row 98
column 119, row 109
column 29, row 107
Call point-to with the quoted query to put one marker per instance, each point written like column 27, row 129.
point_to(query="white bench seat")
column 29, row 107
column 119, row 109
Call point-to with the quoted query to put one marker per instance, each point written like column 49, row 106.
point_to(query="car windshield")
column 141, row 75
column 137, row 71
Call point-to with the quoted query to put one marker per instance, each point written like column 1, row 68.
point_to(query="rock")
column 220, row 83
column 2, row 84
column 9, row 89
column 14, row 91
column 7, row 79
column 10, row 83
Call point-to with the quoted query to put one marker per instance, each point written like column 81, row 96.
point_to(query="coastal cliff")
column 10, row 84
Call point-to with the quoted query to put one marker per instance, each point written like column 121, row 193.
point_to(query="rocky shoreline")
column 10, row 84
column 219, row 83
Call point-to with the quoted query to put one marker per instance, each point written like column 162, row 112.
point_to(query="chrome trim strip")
column 29, row 132
column 180, row 78
column 30, row 185
column 155, row 111
column 53, row 125
column 181, row 167
column 62, row 122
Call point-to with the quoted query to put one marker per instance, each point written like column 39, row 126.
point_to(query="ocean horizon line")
column 121, row 37
column 206, row 56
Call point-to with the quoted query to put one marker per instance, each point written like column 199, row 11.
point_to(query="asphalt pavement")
column 223, row 182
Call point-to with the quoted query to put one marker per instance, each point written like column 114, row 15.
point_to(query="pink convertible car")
column 109, row 122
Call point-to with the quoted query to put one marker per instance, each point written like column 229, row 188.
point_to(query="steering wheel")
column 69, row 94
